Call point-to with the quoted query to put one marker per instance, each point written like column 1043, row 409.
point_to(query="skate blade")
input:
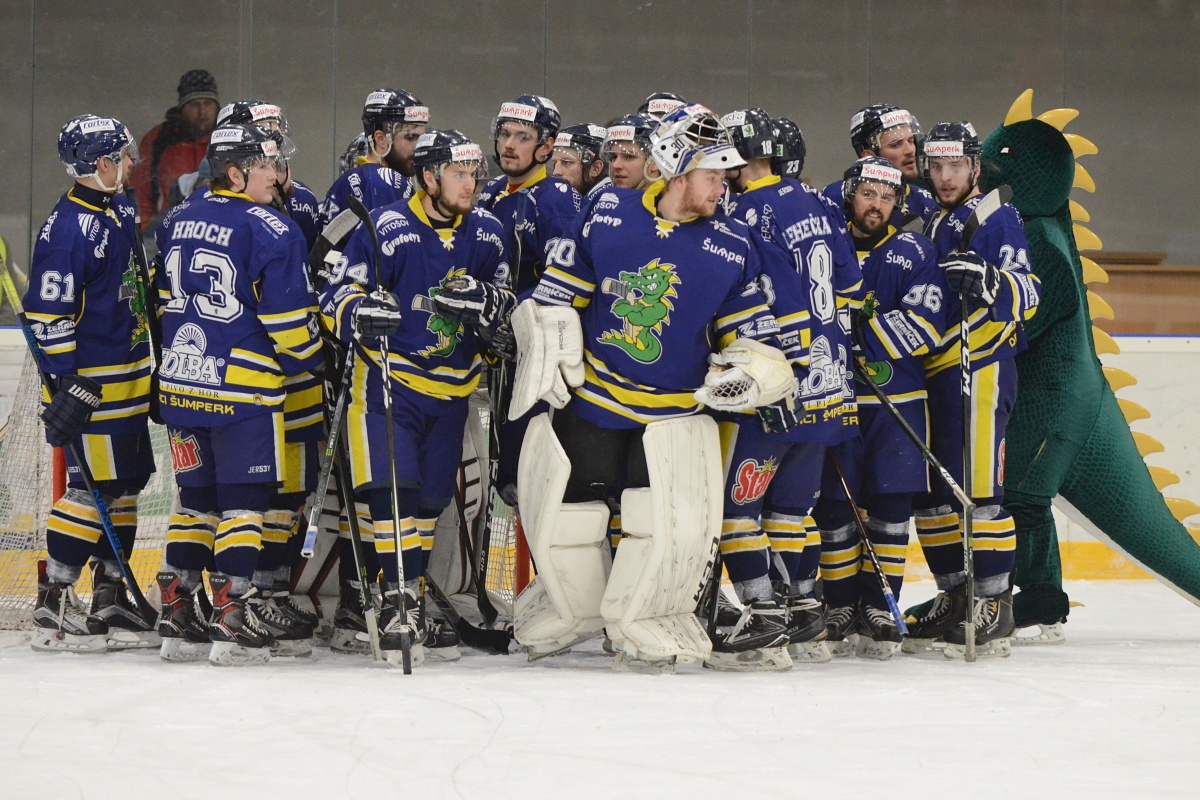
column 809, row 653
column 534, row 654
column 47, row 640
column 997, row 648
column 922, row 648
column 766, row 659
column 394, row 659
column 181, row 651
column 349, row 641
column 291, row 648
column 133, row 640
column 845, row 648
column 877, row 651
column 228, row 654
column 1046, row 634
column 443, row 654
column 623, row 662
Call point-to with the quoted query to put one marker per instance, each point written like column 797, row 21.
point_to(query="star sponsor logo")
column 185, row 452
column 752, row 480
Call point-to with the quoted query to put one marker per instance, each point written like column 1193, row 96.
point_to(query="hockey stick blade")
column 989, row 205
column 489, row 641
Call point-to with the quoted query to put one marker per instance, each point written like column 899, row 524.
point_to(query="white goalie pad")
column 671, row 534
column 745, row 375
column 569, row 544
column 549, row 356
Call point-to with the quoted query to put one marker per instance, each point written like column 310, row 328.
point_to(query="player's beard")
column 873, row 224
column 694, row 203
column 393, row 161
column 954, row 199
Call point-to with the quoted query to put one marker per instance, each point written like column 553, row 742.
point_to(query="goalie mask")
column 790, row 149
column 86, row 139
column 689, row 138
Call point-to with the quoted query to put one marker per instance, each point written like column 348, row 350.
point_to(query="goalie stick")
column 991, row 202
column 386, row 382
column 144, row 608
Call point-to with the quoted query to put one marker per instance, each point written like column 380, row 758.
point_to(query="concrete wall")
column 1131, row 66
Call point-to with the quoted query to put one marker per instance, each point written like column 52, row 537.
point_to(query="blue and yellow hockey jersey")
column 997, row 333
column 305, row 210
column 237, row 308
column 657, row 297
column 374, row 184
column 795, row 218
column 906, row 297
column 88, row 307
column 917, row 201
column 428, row 354
column 540, row 212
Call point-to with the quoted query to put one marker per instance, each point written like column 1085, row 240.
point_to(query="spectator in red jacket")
column 176, row 146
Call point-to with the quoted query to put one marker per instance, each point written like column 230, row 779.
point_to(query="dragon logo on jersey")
column 752, row 480
column 880, row 372
column 133, row 290
column 449, row 332
column 644, row 306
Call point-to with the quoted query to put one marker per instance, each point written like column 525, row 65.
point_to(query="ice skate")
column 350, row 633
column 184, row 635
column 441, row 639
column 238, row 636
column 288, row 605
column 623, row 662
column 127, row 630
column 757, row 641
column 393, row 623
column 841, row 630
column 1054, row 633
column 993, row 629
column 879, row 635
column 292, row 636
column 925, row 632
column 61, row 624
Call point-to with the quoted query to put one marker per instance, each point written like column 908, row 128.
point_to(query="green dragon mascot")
column 1069, row 437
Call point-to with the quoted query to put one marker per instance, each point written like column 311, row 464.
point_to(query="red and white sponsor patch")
column 563, row 140
column 880, row 173
column 518, row 111
column 265, row 112
column 662, row 105
column 270, row 149
column 753, row 479
column 621, row 133
column 893, row 118
column 185, row 453
column 1000, row 463
column 416, row 114
column 466, row 152
column 944, row 149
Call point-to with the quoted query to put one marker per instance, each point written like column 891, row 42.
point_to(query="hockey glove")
column 377, row 315
column 968, row 273
column 504, row 341
column 468, row 301
column 70, row 409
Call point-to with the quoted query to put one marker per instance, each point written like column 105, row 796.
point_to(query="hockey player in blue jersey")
column 893, row 133
column 775, row 477
column 618, row 336
column 578, row 161
column 302, row 417
column 536, row 210
column 1003, row 293
column 903, row 319
column 393, row 120
column 238, row 320
column 790, row 148
column 431, row 242
column 87, row 306
column 627, row 150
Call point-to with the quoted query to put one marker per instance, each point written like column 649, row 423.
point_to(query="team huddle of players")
column 694, row 360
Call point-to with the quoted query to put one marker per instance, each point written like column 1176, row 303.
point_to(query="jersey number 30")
column 217, row 301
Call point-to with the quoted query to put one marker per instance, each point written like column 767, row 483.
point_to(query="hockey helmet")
column 262, row 114
column 385, row 108
column 790, row 149
column 585, row 139
column 691, row 137
column 438, row 148
column 633, row 128
column 86, row 139
column 950, row 140
column 872, row 169
column 244, row 145
column 533, row 110
column 869, row 122
column 751, row 132
column 658, row 104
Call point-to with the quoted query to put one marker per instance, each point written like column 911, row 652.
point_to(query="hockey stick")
column 335, row 429
column 385, row 378
column 144, row 608
column 338, row 228
column 153, row 332
column 487, row 640
column 986, row 207
column 888, row 596
column 346, row 493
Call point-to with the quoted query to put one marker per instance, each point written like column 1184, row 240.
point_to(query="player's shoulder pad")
column 268, row 220
column 728, row 228
column 301, row 190
column 557, row 188
column 488, row 228
column 392, row 221
column 913, row 247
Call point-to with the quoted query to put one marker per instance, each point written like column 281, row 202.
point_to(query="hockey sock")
column 277, row 528
column 347, row 572
column 72, row 532
column 841, row 554
column 994, row 539
column 238, row 540
column 887, row 525
column 123, row 513
column 426, row 524
column 745, row 551
column 614, row 532
column 941, row 540
column 804, row 580
column 787, row 536
column 190, row 537
column 385, row 536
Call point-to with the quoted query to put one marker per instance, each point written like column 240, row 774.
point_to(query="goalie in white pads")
column 676, row 278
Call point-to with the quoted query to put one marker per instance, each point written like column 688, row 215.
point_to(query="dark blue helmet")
column 244, row 145
column 533, row 110
column 658, row 104
column 585, row 138
column 85, row 140
column 870, row 121
column 949, row 140
column 385, row 108
column 634, row 128
column 872, row 169
column 260, row 113
column 790, row 149
column 751, row 132
column 438, row 148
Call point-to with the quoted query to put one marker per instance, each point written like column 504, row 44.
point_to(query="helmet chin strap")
column 436, row 199
column 117, row 183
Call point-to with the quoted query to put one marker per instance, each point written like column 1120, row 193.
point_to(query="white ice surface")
column 1114, row 712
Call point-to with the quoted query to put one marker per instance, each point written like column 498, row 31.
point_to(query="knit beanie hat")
column 197, row 84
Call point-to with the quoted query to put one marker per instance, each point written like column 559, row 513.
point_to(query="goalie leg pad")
column 569, row 543
column 671, row 534
column 549, row 356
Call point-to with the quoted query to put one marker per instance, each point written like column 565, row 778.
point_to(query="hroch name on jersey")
column 205, row 231
column 189, row 367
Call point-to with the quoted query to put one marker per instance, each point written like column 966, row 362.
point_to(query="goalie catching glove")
column 969, row 273
column 377, row 315
column 549, row 356
column 70, row 409
column 468, row 301
column 745, row 375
